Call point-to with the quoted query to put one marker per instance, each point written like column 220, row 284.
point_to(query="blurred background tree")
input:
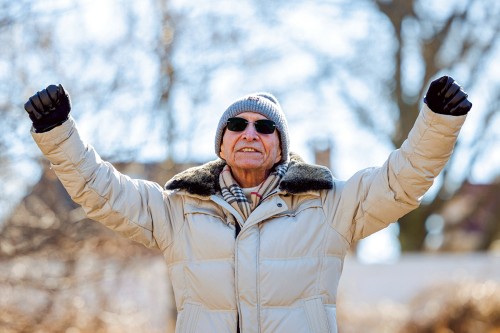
column 150, row 79
column 433, row 40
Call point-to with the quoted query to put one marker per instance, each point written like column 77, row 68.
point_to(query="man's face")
column 250, row 151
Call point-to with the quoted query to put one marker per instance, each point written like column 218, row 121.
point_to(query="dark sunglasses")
column 262, row 126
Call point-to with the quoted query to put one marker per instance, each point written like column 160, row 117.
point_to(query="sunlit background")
column 149, row 80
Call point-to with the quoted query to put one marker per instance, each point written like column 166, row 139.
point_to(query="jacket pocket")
column 316, row 316
column 188, row 319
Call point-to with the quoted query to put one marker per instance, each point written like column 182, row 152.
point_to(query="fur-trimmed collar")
column 301, row 177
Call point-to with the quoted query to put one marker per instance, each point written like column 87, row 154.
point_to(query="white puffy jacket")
column 280, row 273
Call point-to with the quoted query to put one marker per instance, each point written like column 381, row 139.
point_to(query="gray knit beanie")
column 265, row 104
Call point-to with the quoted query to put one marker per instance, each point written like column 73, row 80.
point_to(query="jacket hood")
column 300, row 177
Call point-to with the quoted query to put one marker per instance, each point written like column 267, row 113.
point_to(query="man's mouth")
column 248, row 150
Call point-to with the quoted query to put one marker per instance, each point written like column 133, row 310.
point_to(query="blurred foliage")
column 161, row 68
column 60, row 271
column 461, row 40
column 455, row 307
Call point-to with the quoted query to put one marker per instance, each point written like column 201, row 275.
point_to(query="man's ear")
column 278, row 157
column 221, row 152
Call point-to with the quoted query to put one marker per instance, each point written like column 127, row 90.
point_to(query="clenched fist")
column 445, row 96
column 48, row 108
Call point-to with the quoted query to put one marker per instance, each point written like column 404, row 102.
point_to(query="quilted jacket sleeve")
column 375, row 197
column 134, row 208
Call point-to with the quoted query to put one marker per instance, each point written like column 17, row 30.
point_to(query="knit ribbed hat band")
column 264, row 104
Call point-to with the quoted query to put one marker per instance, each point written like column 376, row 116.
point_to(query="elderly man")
column 254, row 241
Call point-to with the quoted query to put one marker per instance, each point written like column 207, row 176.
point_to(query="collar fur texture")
column 301, row 177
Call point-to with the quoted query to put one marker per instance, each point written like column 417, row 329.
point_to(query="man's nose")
column 250, row 133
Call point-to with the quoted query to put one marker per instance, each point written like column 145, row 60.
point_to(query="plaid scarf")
column 233, row 194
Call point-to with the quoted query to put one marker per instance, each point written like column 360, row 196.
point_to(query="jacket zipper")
column 238, row 314
column 221, row 202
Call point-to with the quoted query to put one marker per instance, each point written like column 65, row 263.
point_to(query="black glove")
column 48, row 108
column 445, row 96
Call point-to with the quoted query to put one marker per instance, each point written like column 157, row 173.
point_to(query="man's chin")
column 249, row 164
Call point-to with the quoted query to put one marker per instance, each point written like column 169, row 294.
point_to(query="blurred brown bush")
column 462, row 307
column 455, row 307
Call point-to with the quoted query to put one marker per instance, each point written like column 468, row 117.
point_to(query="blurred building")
column 468, row 221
